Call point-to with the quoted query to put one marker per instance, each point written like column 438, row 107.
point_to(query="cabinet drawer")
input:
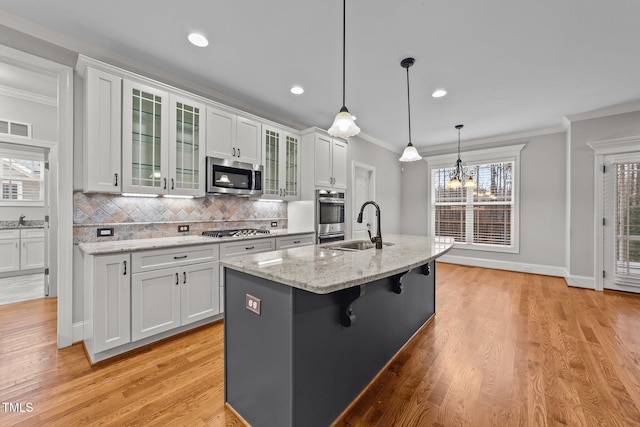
column 173, row 257
column 293, row 241
column 246, row 247
column 28, row 233
column 10, row 234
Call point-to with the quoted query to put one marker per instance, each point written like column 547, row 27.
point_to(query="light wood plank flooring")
column 21, row 288
column 505, row 348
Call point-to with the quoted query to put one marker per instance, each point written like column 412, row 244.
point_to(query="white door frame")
column 372, row 187
column 604, row 148
column 61, row 183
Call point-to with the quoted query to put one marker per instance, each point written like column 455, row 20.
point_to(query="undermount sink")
column 357, row 245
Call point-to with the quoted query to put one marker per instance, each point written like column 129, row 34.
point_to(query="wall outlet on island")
column 183, row 228
column 252, row 304
column 274, row 223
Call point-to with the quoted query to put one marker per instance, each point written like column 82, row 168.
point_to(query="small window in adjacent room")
column 483, row 218
column 22, row 176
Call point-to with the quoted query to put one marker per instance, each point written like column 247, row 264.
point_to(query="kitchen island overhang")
column 307, row 329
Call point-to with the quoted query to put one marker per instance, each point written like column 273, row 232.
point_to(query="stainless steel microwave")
column 231, row 177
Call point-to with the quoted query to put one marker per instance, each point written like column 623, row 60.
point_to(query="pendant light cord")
column 344, row 43
column 409, row 105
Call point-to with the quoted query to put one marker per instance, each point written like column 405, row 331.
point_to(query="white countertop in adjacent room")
column 321, row 269
column 116, row 246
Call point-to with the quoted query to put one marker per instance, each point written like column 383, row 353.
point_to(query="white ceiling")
column 509, row 66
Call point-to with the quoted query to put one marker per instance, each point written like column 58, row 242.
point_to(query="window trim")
column 509, row 153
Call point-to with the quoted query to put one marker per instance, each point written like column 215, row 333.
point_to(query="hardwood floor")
column 504, row 348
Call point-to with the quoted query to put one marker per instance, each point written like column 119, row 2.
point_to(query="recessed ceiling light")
column 439, row 93
column 198, row 40
column 297, row 90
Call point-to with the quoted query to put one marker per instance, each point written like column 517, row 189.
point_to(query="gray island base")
column 296, row 355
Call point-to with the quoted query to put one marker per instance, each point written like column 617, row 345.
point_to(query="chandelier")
column 461, row 176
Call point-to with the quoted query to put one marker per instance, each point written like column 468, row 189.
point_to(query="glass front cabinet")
column 162, row 135
column 281, row 164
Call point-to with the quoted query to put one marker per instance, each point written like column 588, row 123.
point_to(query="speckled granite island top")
column 322, row 270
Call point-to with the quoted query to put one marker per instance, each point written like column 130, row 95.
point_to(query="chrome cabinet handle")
column 124, row 263
column 177, row 279
column 184, row 278
column 116, row 182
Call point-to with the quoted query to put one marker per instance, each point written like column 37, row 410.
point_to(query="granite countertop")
column 116, row 246
column 14, row 225
column 321, row 269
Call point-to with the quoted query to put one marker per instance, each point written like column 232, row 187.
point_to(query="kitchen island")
column 306, row 329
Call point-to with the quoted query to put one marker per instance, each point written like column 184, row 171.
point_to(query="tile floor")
column 21, row 288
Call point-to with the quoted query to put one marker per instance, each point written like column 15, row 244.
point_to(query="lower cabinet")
column 9, row 250
column 165, row 299
column 108, row 302
column 31, row 248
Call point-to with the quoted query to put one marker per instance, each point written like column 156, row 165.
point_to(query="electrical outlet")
column 252, row 304
column 274, row 223
column 183, row 228
column 105, row 232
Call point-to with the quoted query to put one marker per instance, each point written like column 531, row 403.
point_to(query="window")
column 22, row 178
column 482, row 218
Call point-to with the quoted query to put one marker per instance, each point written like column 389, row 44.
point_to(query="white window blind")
column 22, row 179
column 627, row 221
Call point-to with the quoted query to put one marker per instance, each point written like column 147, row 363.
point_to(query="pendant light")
column 410, row 154
column 461, row 177
column 344, row 124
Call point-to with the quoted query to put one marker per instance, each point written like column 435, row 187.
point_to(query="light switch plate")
column 252, row 304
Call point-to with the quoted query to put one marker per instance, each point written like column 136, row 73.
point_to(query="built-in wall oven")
column 330, row 215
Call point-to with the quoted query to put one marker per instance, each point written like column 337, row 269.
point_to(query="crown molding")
column 515, row 137
column 379, row 143
column 605, row 112
column 28, row 96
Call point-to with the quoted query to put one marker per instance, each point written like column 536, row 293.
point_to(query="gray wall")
column 542, row 202
column 43, row 118
column 582, row 181
column 388, row 183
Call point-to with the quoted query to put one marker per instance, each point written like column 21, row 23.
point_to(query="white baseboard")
column 77, row 332
column 546, row 270
column 581, row 281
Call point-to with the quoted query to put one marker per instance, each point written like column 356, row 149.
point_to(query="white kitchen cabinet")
column 173, row 287
column 9, row 250
column 286, row 242
column 102, row 132
column 187, row 152
column 31, row 248
column 145, row 138
column 330, row 161
column 107, row 301
column 281, row 160
column 233, row 137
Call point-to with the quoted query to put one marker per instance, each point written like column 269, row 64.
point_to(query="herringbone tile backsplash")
column 142, row 217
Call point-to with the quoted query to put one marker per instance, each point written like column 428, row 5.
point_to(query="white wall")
column 582, row 182
column 43, row 118
column 542, row 206
column 388, row 183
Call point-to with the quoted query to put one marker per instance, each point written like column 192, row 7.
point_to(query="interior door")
column 363, row 179
column 48, row 291
column 622, row 222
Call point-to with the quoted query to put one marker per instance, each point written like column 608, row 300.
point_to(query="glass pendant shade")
column 410, row 154
column 454, row 183
column 344, row 125
column 470, row 183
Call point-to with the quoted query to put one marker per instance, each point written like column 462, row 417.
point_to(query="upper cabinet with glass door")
column 187, row 151
column 145, row 139
column 281, row 164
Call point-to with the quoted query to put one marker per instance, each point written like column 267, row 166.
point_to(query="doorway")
column 363, row 180
column 23, row 220
column 60, row 147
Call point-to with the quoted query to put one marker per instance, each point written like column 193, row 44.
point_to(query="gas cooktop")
column 243, row 232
